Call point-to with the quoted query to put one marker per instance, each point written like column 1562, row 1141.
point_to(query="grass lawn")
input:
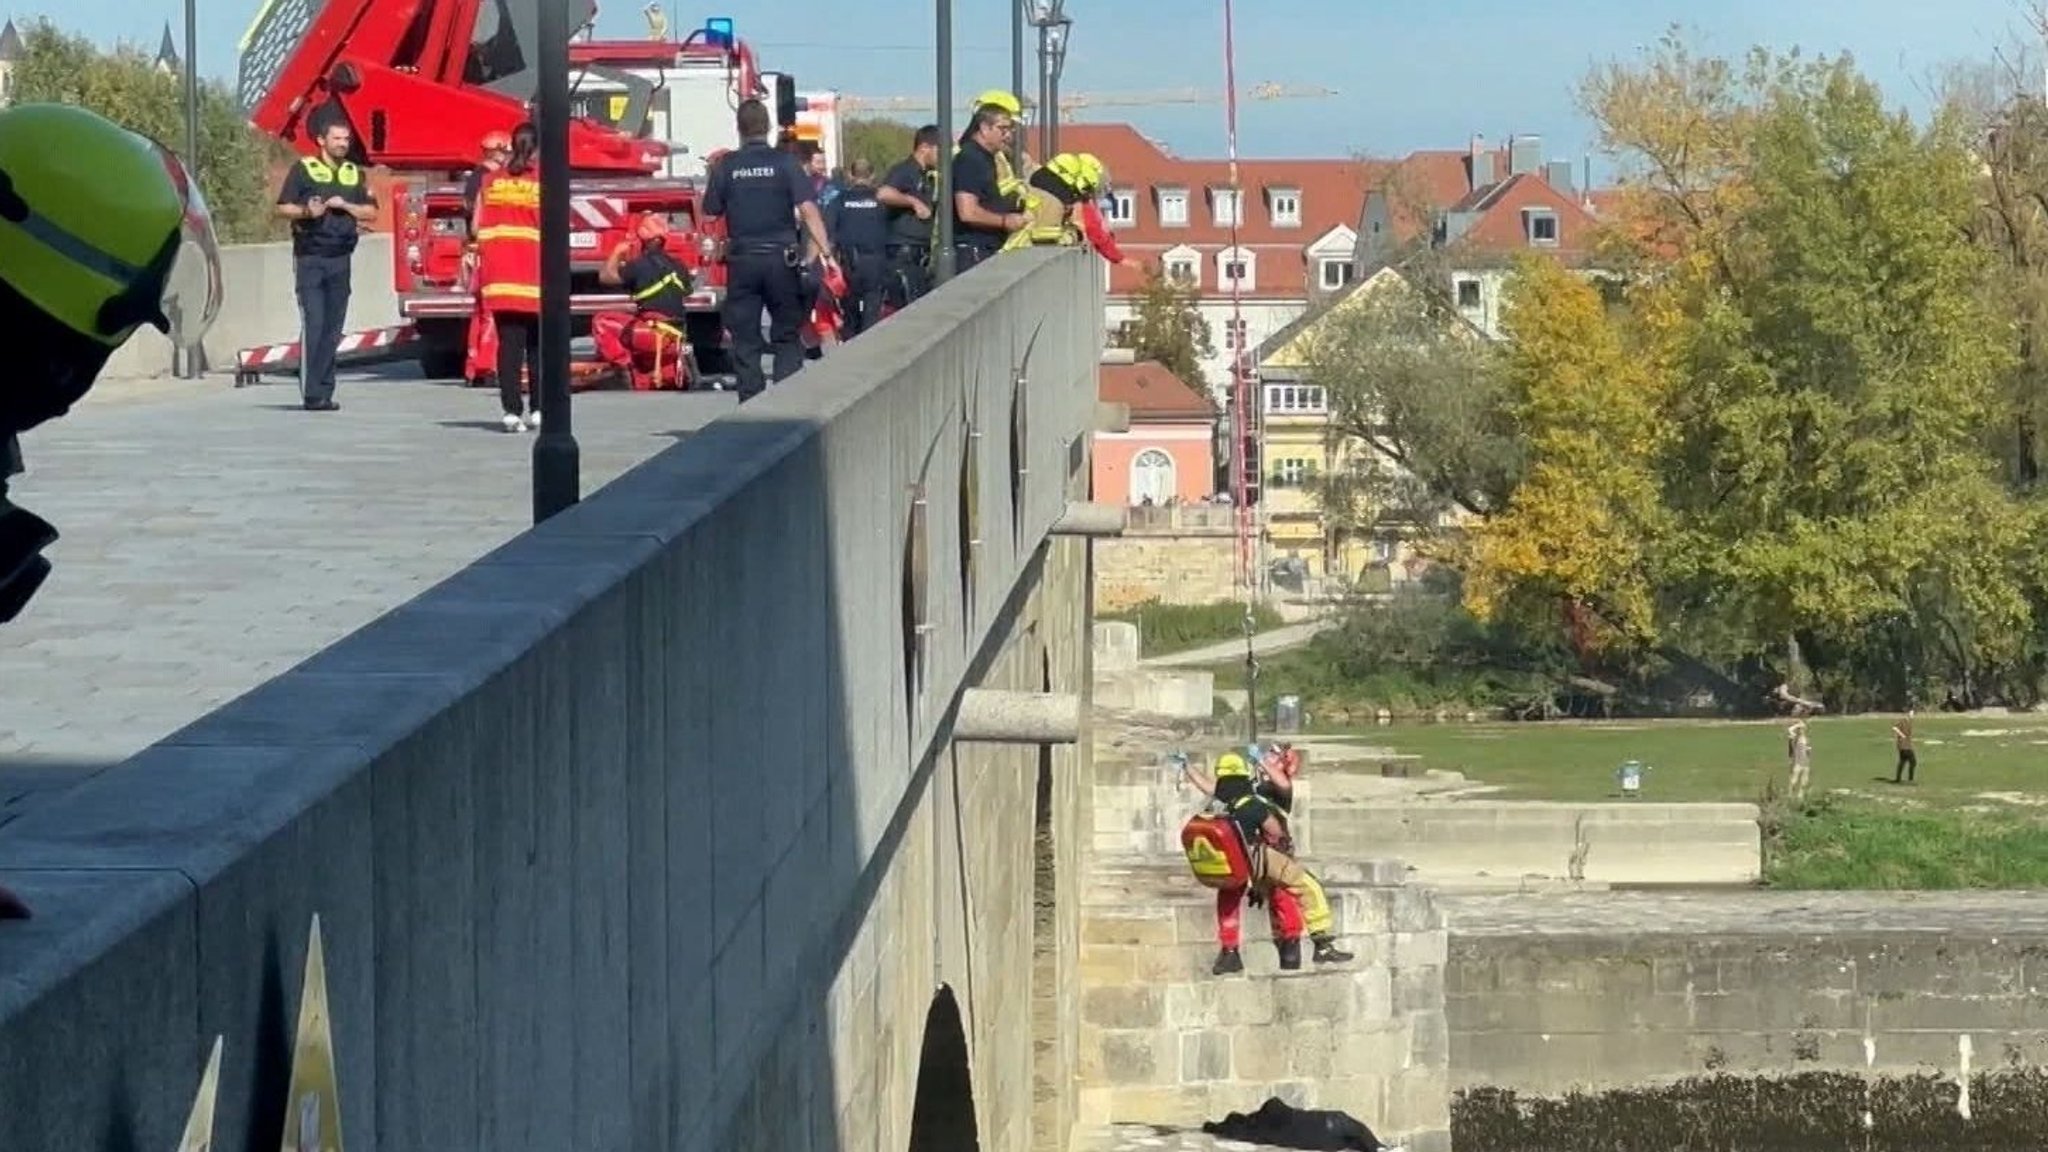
column 1978, row 818
column 1961, row 759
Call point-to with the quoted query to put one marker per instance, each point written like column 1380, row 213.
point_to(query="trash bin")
column 1287, row 714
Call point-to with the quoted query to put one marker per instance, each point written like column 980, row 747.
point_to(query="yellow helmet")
column 1093, row 171
column 1231, row 764
column 997, row 98
column 102, row 229
column 1067, row 167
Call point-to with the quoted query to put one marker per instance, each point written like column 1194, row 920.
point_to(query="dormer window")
column 1173, row 207
column 1235, row 269
column 1286, row 207
column 1227, row 206
column 1122, row 208
column 1541, row 226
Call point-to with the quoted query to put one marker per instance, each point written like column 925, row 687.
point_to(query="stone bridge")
column 683, row 821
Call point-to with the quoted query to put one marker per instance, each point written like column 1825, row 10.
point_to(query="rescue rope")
column 1240, row 383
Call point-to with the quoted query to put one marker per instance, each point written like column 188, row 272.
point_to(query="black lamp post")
column 1018, row 19
column 556, row 459
column 942, row 209
column 1050, row 18
column 191, row 362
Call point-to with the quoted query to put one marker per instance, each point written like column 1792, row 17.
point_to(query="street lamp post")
column 556, row 460
column 1050, row 18
column 191, row 361
column 1017, row 22
column 942, row 211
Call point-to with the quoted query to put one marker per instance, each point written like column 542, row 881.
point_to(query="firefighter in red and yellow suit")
column 507, row 231
column 482, row 360
column 1246, row 849
column 648, row 343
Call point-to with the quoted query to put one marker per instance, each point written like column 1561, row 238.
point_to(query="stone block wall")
column 1177, row 569
column 1165, row 1042
column 1873, row 1021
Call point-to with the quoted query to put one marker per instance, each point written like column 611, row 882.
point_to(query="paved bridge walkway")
column 214, row 537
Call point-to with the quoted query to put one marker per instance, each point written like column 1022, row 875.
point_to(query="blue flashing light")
column 718, row 30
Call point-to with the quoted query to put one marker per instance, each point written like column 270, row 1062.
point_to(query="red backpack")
column 1215, row 851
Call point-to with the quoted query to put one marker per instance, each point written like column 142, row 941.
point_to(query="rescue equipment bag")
column 1215, row 852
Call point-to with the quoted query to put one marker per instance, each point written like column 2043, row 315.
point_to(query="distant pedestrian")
column 506, row 225
column 858, row 223
column 1902, row 740
column 1799, row 751
column 907, row 191
column 328, row 201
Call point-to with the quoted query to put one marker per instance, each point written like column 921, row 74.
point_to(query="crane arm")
column 1076, row 100
column 419, row 82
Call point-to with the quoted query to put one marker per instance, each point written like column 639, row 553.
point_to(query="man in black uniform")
column 859, row 225
column 982, row 216
column 761, row 193
column 907, row 191
column 328, row 201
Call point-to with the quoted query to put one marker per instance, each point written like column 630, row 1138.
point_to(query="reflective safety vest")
column 656, row 297
column 508, row 241
column 1048, row 225
column 345, row 174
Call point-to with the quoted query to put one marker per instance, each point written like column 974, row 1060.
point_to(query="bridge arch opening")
column 942, row 1116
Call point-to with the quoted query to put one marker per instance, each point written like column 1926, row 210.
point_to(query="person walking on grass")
column 1902, row 739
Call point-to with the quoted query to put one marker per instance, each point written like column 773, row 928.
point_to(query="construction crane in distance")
column 1077, row 101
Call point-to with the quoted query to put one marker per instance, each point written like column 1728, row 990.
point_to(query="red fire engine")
column 420, row 82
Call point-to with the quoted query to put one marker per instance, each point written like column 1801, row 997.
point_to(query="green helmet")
column 102, row 229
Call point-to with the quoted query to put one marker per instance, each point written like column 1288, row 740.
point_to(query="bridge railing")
column 583, row 822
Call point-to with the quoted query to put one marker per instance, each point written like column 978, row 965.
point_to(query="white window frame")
column 1173, row 207
column 1290, row 472
column 1537, row 216
column 1185, row 270
column 1226, row 206
column 1169, row 468
column 1478, row 292
column 1327, row 265
column 1295, row 400
column 1236, row 334
column 1287, row 208
column 1240, row 256
column 1122, row 211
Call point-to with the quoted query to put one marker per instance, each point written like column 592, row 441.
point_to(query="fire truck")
column 420, row 82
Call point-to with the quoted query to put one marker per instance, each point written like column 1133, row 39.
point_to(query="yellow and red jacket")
column 508, row 241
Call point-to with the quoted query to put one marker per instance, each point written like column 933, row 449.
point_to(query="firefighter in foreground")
column 506, row 225
column 1246, row 846
column 101, row 232
column 987, row 196
column 650, row 342
column 482, row 361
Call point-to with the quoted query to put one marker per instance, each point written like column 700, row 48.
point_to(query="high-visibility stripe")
column 656, row 287
column 516, row 291
column 508, row 232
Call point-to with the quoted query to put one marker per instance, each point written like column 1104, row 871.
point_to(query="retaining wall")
column 260, row 306
column 643, row 832
column 1812, row 1021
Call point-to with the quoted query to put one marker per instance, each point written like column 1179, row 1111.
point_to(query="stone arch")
column 942, row 1117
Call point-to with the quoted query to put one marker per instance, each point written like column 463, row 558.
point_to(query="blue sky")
column 1413, row 74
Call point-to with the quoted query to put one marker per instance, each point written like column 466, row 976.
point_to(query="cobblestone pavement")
column 213, row 537
column 1745, row 913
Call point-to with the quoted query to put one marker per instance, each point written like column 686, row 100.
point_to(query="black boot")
column 1228, row 962
column 1290, row 953
column 1327, row 951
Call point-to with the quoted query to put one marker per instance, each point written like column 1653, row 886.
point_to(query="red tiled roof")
column 1155, row 396
column 1332, row 194
column 1503, row 210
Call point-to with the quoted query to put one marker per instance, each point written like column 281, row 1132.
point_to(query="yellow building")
column 1355, row 546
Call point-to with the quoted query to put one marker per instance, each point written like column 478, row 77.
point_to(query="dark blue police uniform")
column 859, row 225
column 323, row 249
column 910, row 239
column 756, row 189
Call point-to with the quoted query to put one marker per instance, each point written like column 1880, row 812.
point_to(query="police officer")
column 984, row 215
column 762, row 193
column 328, row 201
column 859, row 225
column 907, row 192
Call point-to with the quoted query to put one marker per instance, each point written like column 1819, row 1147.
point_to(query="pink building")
column 1169, row 455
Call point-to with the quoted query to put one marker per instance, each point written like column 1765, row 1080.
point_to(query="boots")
column 1228, row 962
column 1327, row 951
column 1290, row 953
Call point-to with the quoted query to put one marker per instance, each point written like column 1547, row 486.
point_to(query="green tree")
column 126, row 87
column 1585, row 523
column 880, row 142
column 1166, row 326
column 1408, row 377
